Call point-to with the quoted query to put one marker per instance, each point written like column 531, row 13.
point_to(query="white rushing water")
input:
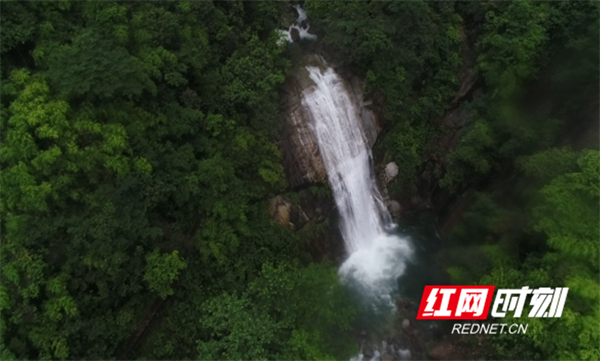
column 401, row 353
column 376, row 257
column 286, row 35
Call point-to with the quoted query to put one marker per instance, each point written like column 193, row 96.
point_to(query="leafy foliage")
column 540, row 226
column 287, row 313
column 409, row 52
column 137, row 155
column 138, row 152
column 556, row 246
column 161, row 271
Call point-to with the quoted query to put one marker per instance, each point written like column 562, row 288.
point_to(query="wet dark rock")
column 419, row 203
column 445, row 350
column 395, row 209
column 295, row 34
column 306, row 207
column 402, row 343
column 387, row 357
column 366, row 350
column 407, row 339
column 371, row 123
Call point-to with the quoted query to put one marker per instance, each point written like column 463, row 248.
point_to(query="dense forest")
column 138, row 155
column 535, row 217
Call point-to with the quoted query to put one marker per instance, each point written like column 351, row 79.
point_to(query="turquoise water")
column 421, row 270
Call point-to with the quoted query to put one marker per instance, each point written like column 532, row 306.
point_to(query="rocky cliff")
column 301, row 158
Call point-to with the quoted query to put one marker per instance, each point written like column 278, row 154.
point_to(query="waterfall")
column 376, row 256
column 286, row 35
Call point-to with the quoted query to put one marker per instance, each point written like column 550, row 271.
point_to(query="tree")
column 289, row 312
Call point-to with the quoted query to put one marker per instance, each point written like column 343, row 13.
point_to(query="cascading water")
column 376, row 257
column 300, row 25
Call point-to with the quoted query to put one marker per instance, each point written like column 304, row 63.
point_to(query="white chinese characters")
column 443, row 311
column 472, row 300
column 544, row 297
column 545, row 301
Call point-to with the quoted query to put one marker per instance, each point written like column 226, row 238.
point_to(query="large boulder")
column 280, row 209
column 391, row 170
column 395, row 209
column 296, row 209
column 295, row 34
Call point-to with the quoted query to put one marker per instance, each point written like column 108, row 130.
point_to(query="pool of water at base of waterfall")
column 380, row 330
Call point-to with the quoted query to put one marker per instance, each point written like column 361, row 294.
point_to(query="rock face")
column 306, row 207
column 371, row 124
column 301, row 157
